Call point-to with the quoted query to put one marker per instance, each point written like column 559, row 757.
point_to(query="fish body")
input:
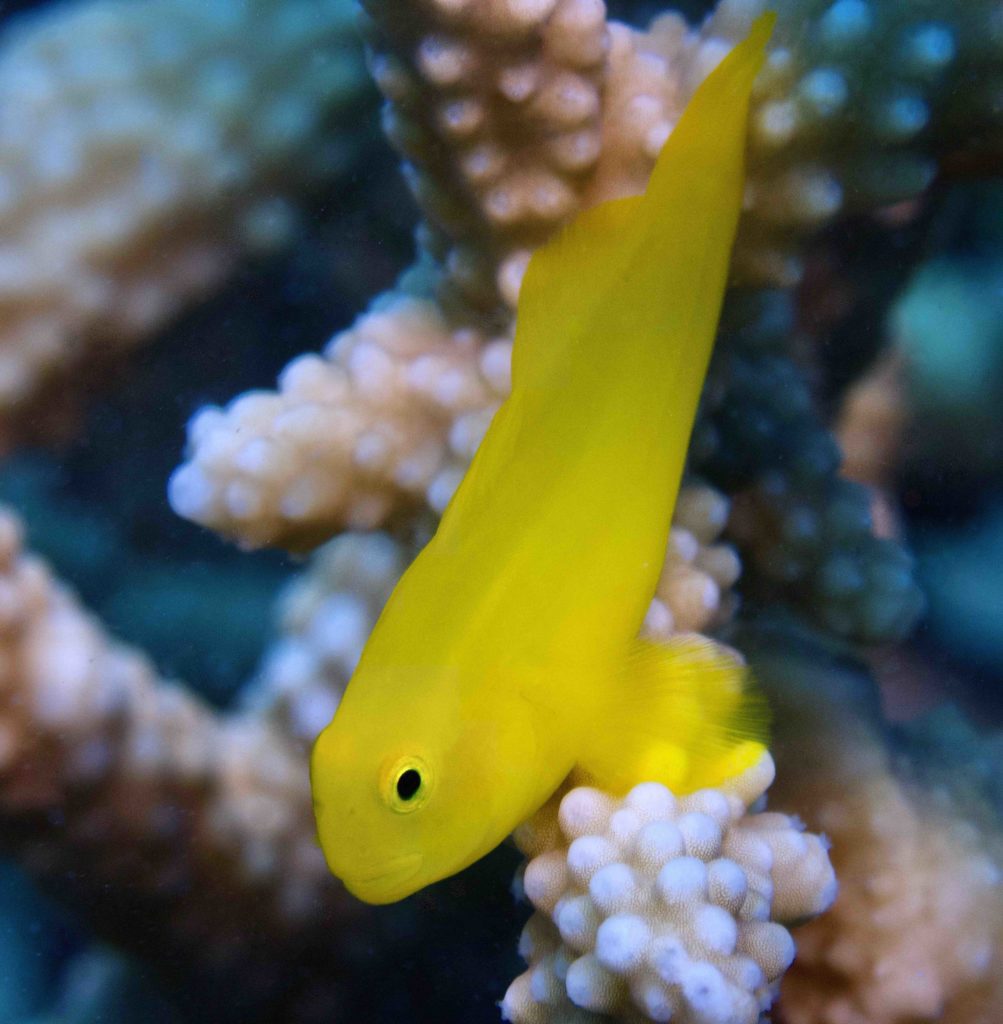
column 506, row 658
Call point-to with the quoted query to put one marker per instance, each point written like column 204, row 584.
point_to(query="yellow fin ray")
column 683, row 713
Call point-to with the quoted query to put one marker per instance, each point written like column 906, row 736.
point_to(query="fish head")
column 408, row 793
column 374, row 807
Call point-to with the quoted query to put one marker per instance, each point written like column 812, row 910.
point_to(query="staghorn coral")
column 401, row 398
column 54, row 655
column 512, row 114
column 323, row 619
column 164, row 806
column 783, row 474
column 661, row 908
column 861, row 100
column 361, row 389
column 694, row 592
column 514, row 92
column 147, row 147
column 805, row 532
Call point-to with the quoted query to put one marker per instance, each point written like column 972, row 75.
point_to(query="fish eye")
column 408, row 783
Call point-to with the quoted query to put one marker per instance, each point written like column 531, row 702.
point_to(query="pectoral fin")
column 683, row 713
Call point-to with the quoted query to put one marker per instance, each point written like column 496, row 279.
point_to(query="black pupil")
column 408, row 784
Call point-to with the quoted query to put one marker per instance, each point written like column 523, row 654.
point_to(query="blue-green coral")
column 806, row 532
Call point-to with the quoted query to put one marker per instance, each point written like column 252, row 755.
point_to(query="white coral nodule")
column 664, row 908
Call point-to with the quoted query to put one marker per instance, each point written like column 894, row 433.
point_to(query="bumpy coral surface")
column 860, row 99
column 661, row 908
column 145, row 147
column 497, row 109
column 915, row 933
column 324, row 618
column 694, row 591
column 804, row 531
column 393, row 410
column 511, row 115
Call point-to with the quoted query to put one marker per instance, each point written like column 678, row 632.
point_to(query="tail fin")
column 683, row 713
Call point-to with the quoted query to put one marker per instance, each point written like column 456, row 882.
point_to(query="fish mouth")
column 389, row 883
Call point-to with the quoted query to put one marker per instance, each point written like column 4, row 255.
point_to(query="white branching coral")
column 663, row 908
column 694, row 591
column 393, row 410
column 145, row 147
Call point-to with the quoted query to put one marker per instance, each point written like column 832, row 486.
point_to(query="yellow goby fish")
column 506, row 658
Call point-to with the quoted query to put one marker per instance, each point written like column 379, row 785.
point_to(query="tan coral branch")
column 391, row 413
column 188, row 829
column 916, row 933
